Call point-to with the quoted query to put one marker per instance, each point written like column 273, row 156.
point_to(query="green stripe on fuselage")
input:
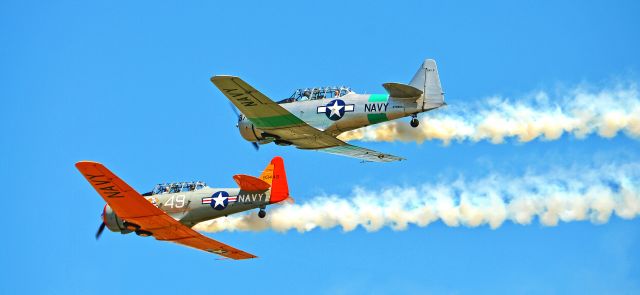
column 378, row 97
column 276, row 121
column 377, row 118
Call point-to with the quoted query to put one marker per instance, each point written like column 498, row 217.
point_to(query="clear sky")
column 127, row 83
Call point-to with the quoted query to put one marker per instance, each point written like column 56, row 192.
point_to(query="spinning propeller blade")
column 235, row 111
column 100, row 229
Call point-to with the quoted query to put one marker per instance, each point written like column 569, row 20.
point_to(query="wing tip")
column 384, row 160
column 85, row 163
column 221, row 77
column 396, row 159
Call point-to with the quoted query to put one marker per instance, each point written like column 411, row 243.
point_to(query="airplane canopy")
column 176, row 187
column 317, row 93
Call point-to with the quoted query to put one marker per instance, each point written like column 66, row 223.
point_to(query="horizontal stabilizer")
column 250, row 183
column 399, row 90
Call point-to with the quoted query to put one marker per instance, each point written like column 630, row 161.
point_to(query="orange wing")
column 132, row 207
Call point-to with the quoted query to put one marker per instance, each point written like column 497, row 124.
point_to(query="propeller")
column 239, row 115
column 100, row 230
column 235, row 111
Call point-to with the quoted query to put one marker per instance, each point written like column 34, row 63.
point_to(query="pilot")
column 336, row 93
column 305, row 95
column 192, row 187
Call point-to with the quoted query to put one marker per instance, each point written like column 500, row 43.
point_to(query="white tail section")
column 427, row 80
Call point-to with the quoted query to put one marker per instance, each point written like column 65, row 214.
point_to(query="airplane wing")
column 363, row 154
column 132, row 207
column 275, row 120
column 269, row 116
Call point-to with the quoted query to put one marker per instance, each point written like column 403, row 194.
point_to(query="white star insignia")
column 335, row 109
column 219, row 200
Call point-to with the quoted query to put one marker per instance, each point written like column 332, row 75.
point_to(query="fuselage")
column 192, row 207
column 340, row 114
column 367, row 109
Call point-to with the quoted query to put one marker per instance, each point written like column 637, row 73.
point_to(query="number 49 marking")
column 176, row 201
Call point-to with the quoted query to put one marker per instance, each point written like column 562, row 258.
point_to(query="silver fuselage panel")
column 193, row 207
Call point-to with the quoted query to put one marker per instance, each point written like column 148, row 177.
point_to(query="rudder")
column 276, row 176
column 428, row 80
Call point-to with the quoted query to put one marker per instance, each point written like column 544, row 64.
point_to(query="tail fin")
column 427, row 80
column 275, row 176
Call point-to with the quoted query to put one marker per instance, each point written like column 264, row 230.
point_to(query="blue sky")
column 127, row 84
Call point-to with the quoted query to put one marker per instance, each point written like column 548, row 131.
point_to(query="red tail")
column 275, row 175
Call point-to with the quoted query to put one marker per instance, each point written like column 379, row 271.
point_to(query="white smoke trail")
column 593, row 194
column 579, row 112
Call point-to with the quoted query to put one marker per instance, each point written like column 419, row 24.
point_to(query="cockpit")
column 177, row 187
column 317, row 93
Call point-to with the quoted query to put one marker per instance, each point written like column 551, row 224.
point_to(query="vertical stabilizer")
column 275, row 176
column 427, row 80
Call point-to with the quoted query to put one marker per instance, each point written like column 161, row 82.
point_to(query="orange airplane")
column 170, row 210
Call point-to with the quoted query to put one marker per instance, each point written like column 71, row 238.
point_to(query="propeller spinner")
column 240, row 116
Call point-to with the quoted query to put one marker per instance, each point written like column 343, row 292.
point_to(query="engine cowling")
column 249, row 132
column 113, row 222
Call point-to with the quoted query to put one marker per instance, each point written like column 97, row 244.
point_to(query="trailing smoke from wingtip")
column 561, row 195
column 579, row 112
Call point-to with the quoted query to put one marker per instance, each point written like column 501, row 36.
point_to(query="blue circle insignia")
column 335, row 109
column 220, row 200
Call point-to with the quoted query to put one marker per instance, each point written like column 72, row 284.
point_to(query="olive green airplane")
column 170, row 210
column 312, row 118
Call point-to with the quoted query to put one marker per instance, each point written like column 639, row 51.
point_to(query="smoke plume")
column 562, row 195
column 579, row 112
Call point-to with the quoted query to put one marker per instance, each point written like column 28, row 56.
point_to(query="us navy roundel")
column 335, row 109
column 220, row 200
